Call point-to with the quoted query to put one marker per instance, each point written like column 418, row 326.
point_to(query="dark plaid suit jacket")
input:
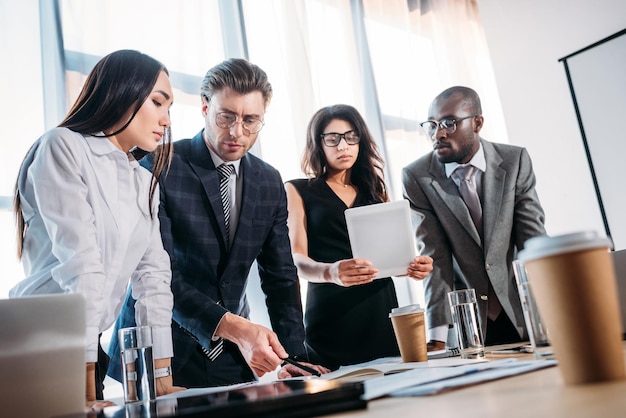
column 203, row 271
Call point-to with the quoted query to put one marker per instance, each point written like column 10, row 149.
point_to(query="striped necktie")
column 225, row 170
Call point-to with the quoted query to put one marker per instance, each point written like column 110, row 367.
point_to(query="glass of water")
column 465, row 318
column 537, row 332
column 137, row 364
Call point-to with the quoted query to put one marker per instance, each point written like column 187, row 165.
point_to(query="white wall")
column 526, row 39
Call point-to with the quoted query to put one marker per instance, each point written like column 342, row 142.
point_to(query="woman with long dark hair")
column 87, row 211
column 346, row 315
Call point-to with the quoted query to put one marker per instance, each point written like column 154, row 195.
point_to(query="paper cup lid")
column 544, row 246
column 409, row 309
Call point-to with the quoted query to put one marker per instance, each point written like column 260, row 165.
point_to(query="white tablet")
column 382, row 233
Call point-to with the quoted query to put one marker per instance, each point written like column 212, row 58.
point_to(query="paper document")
column 478, row 375
column 392, row 365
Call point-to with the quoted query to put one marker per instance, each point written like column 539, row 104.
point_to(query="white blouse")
column 89, row 231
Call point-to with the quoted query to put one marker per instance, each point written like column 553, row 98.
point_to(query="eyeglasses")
column 249, row 125
column 447, row 125
column 332, row 139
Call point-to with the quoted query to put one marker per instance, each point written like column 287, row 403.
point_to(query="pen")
column 301, row 366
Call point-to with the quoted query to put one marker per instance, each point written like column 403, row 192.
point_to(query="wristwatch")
column 163, row 372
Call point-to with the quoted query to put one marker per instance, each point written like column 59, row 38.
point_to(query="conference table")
column 540, row 393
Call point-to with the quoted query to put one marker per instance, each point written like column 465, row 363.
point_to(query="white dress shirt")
column 89, row 231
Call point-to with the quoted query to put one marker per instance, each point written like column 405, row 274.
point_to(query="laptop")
column 42, row 356
column 382, row 233
column 619, row 261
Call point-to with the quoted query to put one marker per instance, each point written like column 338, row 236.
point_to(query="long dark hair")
column 366, row 173
column 118, row 85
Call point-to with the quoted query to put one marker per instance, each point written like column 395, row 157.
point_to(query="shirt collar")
column 99, row 144
column 217, row 161
column 478, row 161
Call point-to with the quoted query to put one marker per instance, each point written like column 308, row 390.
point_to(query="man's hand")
column 289, row 370
column 258, row 345
column 434, row 345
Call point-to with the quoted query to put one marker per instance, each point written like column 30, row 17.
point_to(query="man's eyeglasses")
column 249, row 125
column 332, row 139
column 447, row 125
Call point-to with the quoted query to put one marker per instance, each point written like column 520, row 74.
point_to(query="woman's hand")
column 91, row 403
column 420, row 267
column 352, row 272
column 164, row 385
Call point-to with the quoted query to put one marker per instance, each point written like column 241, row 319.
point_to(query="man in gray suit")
column 472, row 244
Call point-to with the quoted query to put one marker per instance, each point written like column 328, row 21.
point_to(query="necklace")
column 340, row 184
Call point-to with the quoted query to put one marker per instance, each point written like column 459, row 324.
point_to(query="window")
column 387, row 58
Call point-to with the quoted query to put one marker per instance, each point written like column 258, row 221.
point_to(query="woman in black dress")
column 346, row 314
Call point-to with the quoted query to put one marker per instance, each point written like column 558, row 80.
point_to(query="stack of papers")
column 389, row 376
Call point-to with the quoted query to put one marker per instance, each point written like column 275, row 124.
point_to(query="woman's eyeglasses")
column 332, row 139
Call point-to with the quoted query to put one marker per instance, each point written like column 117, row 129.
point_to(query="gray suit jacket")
column 511, row 215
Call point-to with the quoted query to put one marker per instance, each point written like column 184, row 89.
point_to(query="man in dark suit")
column 472, row 252
column 213, row 242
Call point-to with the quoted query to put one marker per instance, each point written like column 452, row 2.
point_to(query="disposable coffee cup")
column 410, row 329
column 573, row 281
column 137, row 364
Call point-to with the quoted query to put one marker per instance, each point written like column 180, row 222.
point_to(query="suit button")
column 487, row 266
column 483, row 297
column 224, row 284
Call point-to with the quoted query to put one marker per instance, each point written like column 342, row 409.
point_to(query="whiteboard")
column 597, row 77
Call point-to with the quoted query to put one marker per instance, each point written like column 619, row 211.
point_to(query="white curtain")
column 418, row 49
column 186, row 36
column 308, row 50
column 387, row 58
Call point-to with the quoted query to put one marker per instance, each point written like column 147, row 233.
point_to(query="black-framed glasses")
column 447, row 125
column 250, row 125
column 332, row 139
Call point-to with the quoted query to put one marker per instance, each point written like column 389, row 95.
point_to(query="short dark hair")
column 470, row 96
column 239, row 75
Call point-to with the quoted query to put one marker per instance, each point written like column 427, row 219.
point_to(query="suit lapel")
column 201, row 163
column 493, row 189
column 250, row 173
column 449, row 194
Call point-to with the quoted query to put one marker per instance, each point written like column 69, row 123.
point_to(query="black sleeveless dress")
column 344, row 325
